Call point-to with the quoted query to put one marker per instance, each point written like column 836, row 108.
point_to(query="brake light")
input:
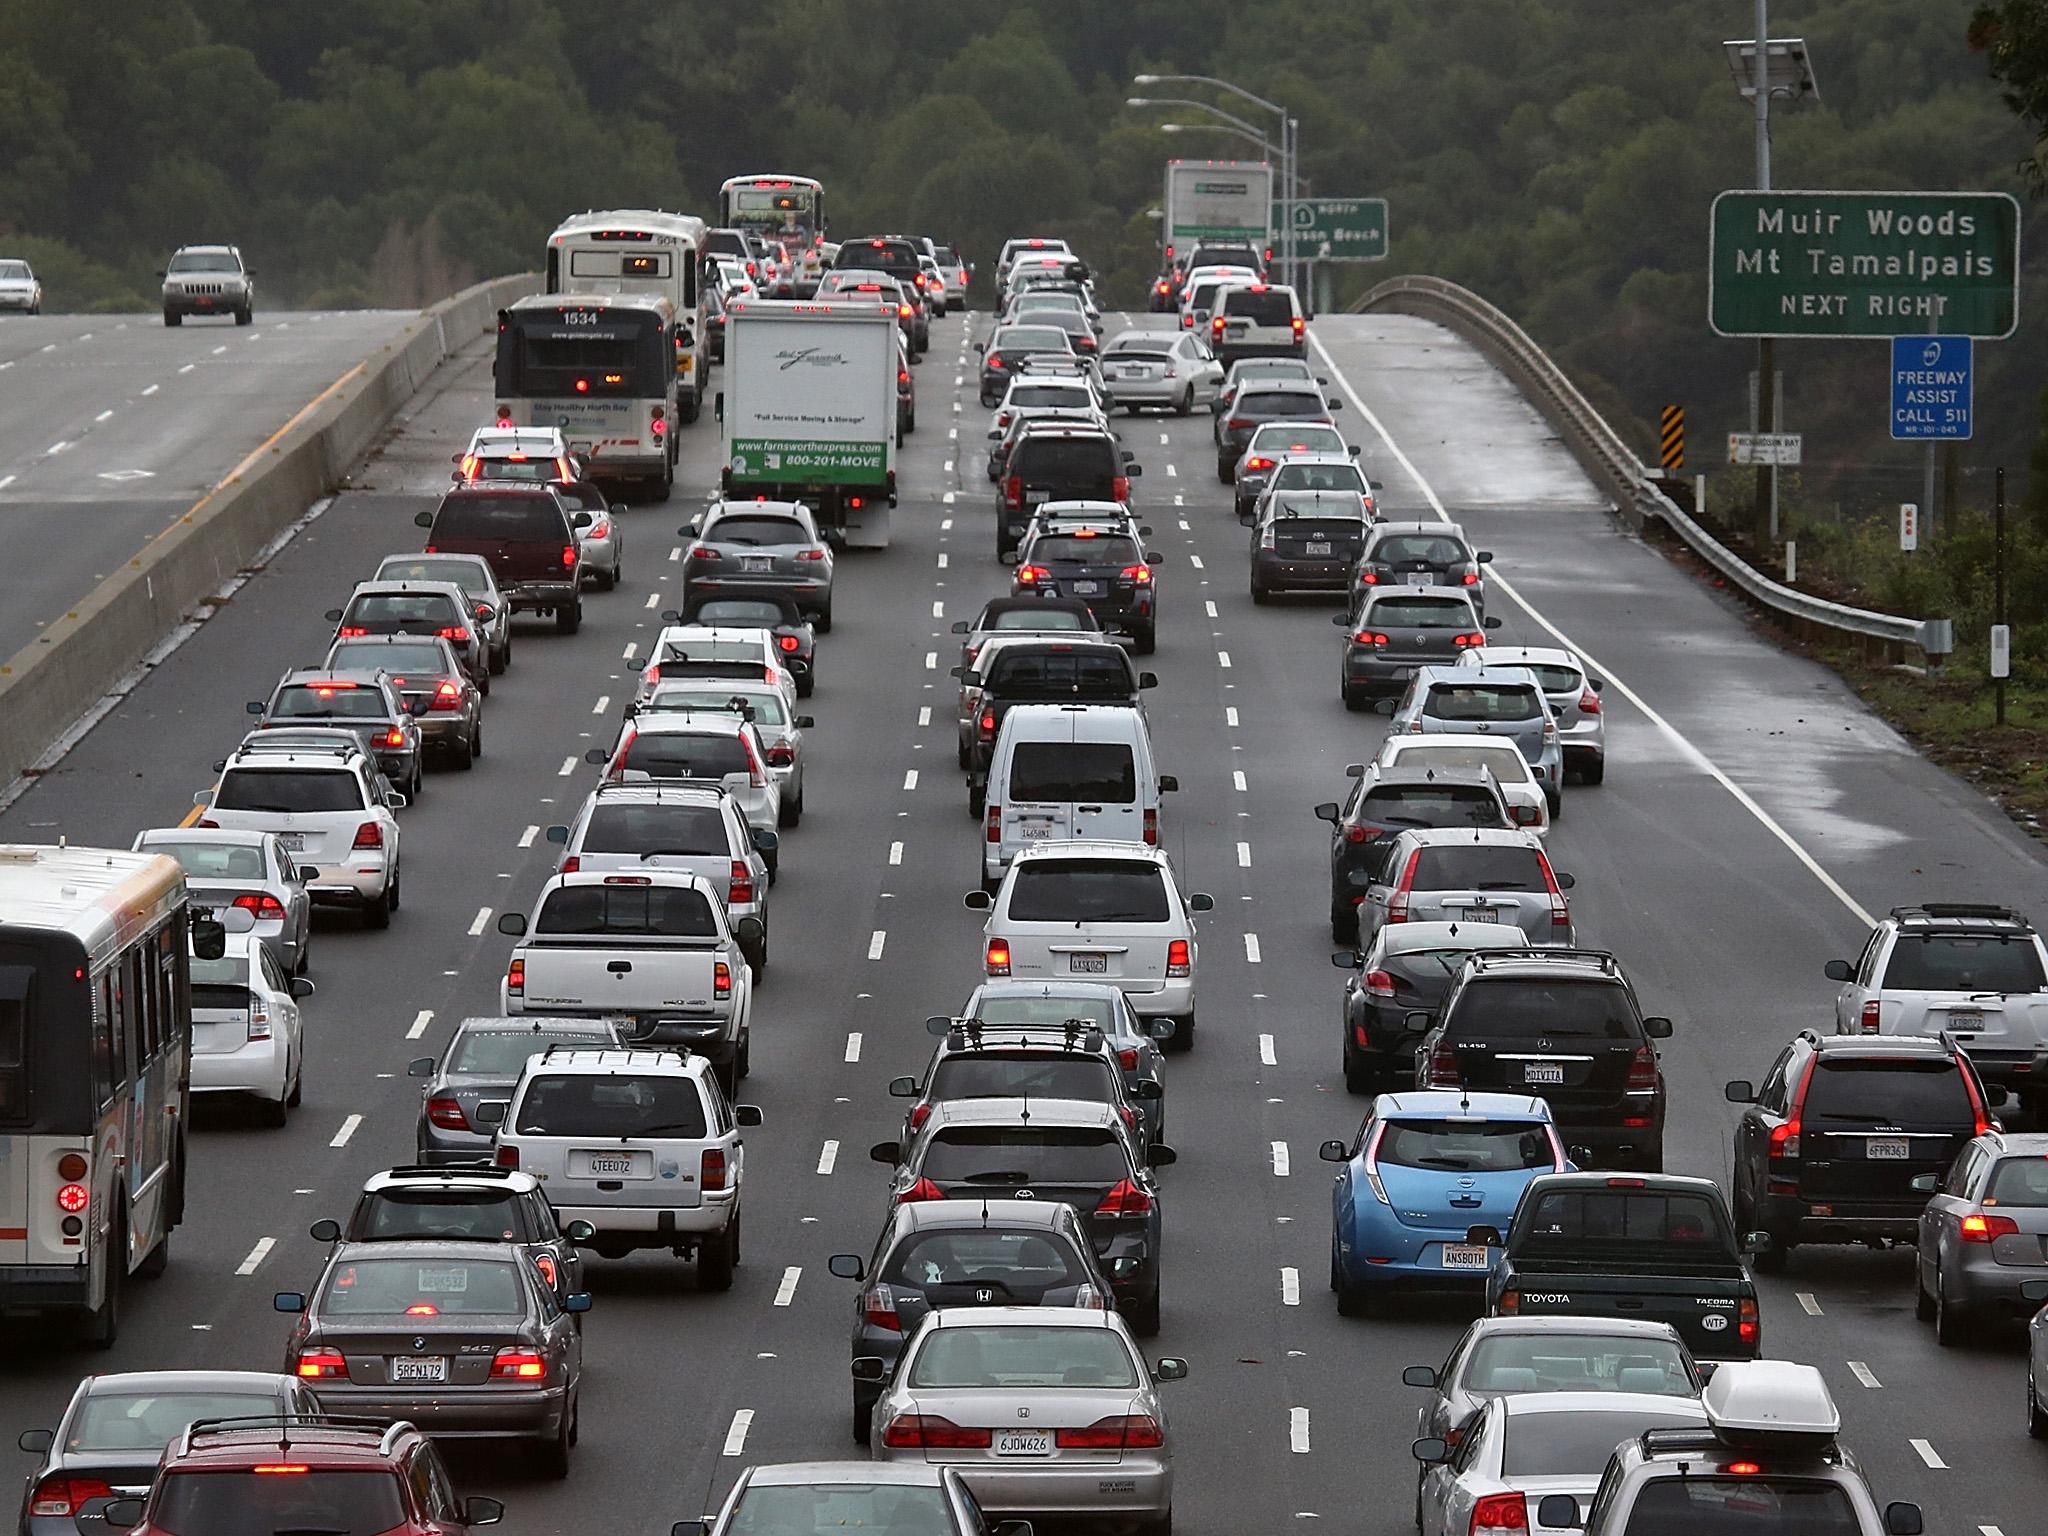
column 1127, row 1058
column 1299, row 325
column 1785, row 1137
column 1461, row 641
column 1471, row 579
column 711, row 1169
column 658, row 427
column 518, row 1365
column 369, row 835
column 507, row 1157
column 994, row 832
column 1124, row 1199
column 741, row 891
column 701, row 552
column 1013, row 491
column 1257, row 462
column 515, row 977
column 1368, row 578
column 1560, row 909
column 321, row 1364
column 265, row 907
column 1510, row 1303
column 1179, row 959
column 1369, row 637
column 1979, row 1228
column 1495, row 1511
column 445, row 1111
column 570, row 865
column 1379, row 983
column 988, row 725
column 1642, row 1071
column 721, row 980
column 1977, row 1104
column 1443, row 1065
column 1239, row 423
column 1748, row 1323
column 1137, row 575
column 903, row 311
column 997, row 961
column 1354, row 834
column 1870, row 1017
column 350, row 632
column 1589, row 701
column 1120, row 488
column 568, row 554
column 455, row 632
column 72, row 1197
column 1151, row 826
column 878, row 1309
column 919, row 1113
column 1137, row 1431
column 923, row 1189
column 392, row 738
column 447, row 696
column 1031, row 575
column 1397, row 905
column 781, row 755
column 933, row 1432
column 64, row 1496
column 1216, row 324
column 995, row 362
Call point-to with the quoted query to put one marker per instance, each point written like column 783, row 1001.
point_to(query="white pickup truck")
column 653, row 951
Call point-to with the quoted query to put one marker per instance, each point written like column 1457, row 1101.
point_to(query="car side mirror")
column 491, row 1113
column 304, row 874
column 122, row 1513
column 1144, row 530
column 1416, row 1020
column 1839, row 970
column 302, row 986
column 1328, row 811
column 978, row 901
column 1491, row 623
column 1565, row 882
column 672, row 615
column 1161, row 1155
column 288, row 1301
column 478, row 1510
column 902, row 1087
column 1010, row 557
column 846, row 1266
column 1485, row 557
column 255, row 706
column 1657, row 1028
column 557, row 834
column 596, row 755
column 747, row 1115
column 1169, row 784
column 960, row 627
column 1347, row 959
column 1145, row 1088
column 1384, row 707
column 1559, row 1511
column 581, row 520
column 805, row 722
column 2034, row 1290
column 36, row 1441
column 576, row 1301
column 512, row 924
column 1333, row 1152
column 1739, row 1090
column 423, row 519
column 579, row 1231
column 1418, row 1376
column 1336, row 405
column 1148, row 679
column 1013, row 1528
column 325, row 1230
column 1201, row 901
column 1926, row 1183
column 1902, row 1518
column 981, row 346
column 1170, row 1368
column 1996, row 1096
column 1430, row 1451
column 870, row 1368
column 1133, row 471
column 883, row 1152
column 1342, row 621
column 420, row 1066
column 396, row 800
column 1599, row 683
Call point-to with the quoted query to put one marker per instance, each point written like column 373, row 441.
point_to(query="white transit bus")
column 788, row 212
column 598, row 367
column 95, row 1069
column 643, row 251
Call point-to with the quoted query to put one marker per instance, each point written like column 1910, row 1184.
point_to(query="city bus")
column 599, row 366
column 95, row 1074
column 789, row 213
column 645, row 251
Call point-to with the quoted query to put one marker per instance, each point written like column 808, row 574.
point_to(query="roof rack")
column 451, row 1170
column 1958, row 911
column 1606, row 961
column 286, row 1424
column 973, row 1034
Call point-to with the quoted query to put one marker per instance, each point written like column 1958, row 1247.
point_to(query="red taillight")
column 711, row 1172
column 1239, row 424
column 997, row 961
column 544, row 1264
column 568, row 554
column 1397, row 904
column 1354, row 834
column 1124, row 1199
column 1869, row 1019
column 72, row 1165
column 64, row 1496
column 1979, row 1228
column 721, row 980
column 1257, row 462
column 1368, row 579
column 515, row 976
column 657, row 426
column 1748, row 1322
column 350, row 632
column 369, row 835
column 995, row 362
column 1137, row 575
column 266, row 907
column 446, row 1112
column 507, row 1157
column 72, row 1198
column 518, row 1365
column 570, row 865
column 919, row 1113
column 1589, row 701
column 930, row 1431
column 447, row 696
column 1785, row 1138
column 1127, row 1058
column 1299, row 326
column 1013, row 491
column 1642, row 1071
column 987, row 725
column 1216, row 324
column 392, row 738
column 1120, row 488
column 701, row 552
column 1379, row 983
column 994, row 832
column 321, row 1364
column 902, row 375
column 741, row 891
column 781, row 755
column 1443, row 1065
column 878, row 1309
column 1031, row 575
column 1137, row 1431
column 1495, row 1511
column 1560, row 909
column 1179, row 960
column 1151, row 826
column 456, row 633
column 923, row 1189
column 1475, row 638
column 1369, row 637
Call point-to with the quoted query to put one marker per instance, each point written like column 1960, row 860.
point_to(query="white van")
column 1066, row 771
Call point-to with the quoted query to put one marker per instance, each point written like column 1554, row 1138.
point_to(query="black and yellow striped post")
column 1672, row 438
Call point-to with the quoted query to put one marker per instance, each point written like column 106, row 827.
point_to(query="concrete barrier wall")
column 54, row 680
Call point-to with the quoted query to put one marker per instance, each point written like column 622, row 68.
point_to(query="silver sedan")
column 1044, row 1410
column 1171, row 369
column 236, row 867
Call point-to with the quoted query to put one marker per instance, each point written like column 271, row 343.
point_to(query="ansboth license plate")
column 1024, row 1442
column 419, row 1368
column 1894, row 1148
column 1095, row 964
column 1543, row 1072
column 1464, row 1256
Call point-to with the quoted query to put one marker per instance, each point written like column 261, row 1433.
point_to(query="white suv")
column 1098, row 911
column 639, row 1143
column 330, row 809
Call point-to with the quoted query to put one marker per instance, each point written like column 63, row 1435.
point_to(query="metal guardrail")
column 1600, row 449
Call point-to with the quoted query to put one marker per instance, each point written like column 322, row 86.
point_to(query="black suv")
column 1088, row 669
column 1059, row 463
column 1841, row 1127
column 1109, row 571
column 1385, row 802
column 1564, row 1025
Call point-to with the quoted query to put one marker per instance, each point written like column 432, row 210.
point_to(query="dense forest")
column 1558, row 156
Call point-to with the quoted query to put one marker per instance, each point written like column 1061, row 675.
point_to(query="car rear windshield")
column 1561, row 1223
column 644, row 911
column 222, row 996
column 687, row 757
column 1018, row 1008
column 1557, row 1360
column 1303, row 439
column 982, row 1254
column 1317, row 477
column 480, row 1215
column 614, row 1105
column 1480, row 867
column 1072, row 396
column 423, row 610
column 1031, row 338
column 1036, row 1075
column 1431, row 805
column 1066, row 460
column 213, row 861
column 1506, row 761
column 1057, row 772
column 242, row 1502
column 1089, row 890
column 1085, row 549
column 1419, row 549
column 764, row 702
column 502, row 1053
column 1420, row 613
column 463, row 573
column 421, row 1288
column 328, row 701
column 1481, row 701
column 836, row 1508
column 149, row 1421
column 1552, row 678
column 752, row 528
column 650, row 829
column 1578, row 1443
column 1877, row 1091
column 999, row 1155
column 2019, row 1181
column 745, row 612
column 1029, row 618
column 501, row 519
column 1768, row 1505
column 396, row 658
column 1023, row 1357
column 1272, row 308
column 1059, row 674
column 1279, row 402
column 299, row 790
column 1143, row 346
column 1465, row 1146
column 1526, row 1008
column 1959, row 962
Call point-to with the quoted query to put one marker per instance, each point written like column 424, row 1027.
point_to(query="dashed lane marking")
column 1290, row 1286
column 875, row 943
column 924, row 715
column 526, row 838
column 939, row 609
column 151, row 390
column 104, row 416
column 568, row 767
column 632, row 649
column 1223, row 660
column 1237, row 780
column 1929, row 1454
column 853, row 1045
column 256, row 1255
column 786, row 1292
column 604, row 702
column 828, row 1156
column 736, row 1434
column 419, row 1023
column 1230, row 717
column 676, row 553
column 1863, row 1373
column 653, row 600
column 931, row 660
column 942, row 559
column 1209, row 606
column 1297, row 1430
column 1807, row 1304
column 477, row 923
column 895, row 853
column 1280, row 1161
column 1251, row 949
column 1267, row 1056
column 1244, row 855
column 910, row 778
column 348, row 1129
column 1196, row 562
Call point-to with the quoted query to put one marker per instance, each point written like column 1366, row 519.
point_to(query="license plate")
column 291, row 842
column 419, row 1367
column 1319, row 549
column 1464, row 1256
column 443, row 1280
column 1893, row 1147
column 757, row 562
column 1421, row 579
column 1480, row 915
column 611, row 1165
column 1543, row 1072
column 1957, row 1020
column 1096, row 964
column 1033, row 498
column 1087, row 589
column 1024, row 1442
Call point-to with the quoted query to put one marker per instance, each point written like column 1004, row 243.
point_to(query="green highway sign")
column 1863, row 263
column 1336, row 228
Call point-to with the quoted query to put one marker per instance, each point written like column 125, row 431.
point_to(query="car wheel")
column 743, row 1061
column 1595, row 770
column 823, row 623
column 569, row 619
column 244, row 316
column 1183, row 1037
column 1142, row 1316
column 499, row 657
column 1186, row 402
column 1923, row 1304
column 604, row 581
column 786, row 813
column 806, row 686
column 173, row 318
column 276, row 1112
column 483, row 679
column 102, row 1325
column 1343, row 922
column 716, row 1257
column 863, row 1419
column 1772, row 1258
column 1359, row 1077
column 554, row 1452
column 298, row 1092
column 1556, row 804
column 505, row 660
column 1354, row 699
column 1953, row 1324
column 774, row 865
column 466, row 755
column 1146, row 640
column 965, row 757
column 1226, row 471
column 977, row 800
column 377, row 912
column 1350, row 1299
column 794, row 812
column 2037, row 1421
column 1260, row 597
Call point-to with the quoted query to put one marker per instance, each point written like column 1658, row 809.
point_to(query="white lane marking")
column 1177, row 499
column 1223, row 660
column 477, row 923
column 188, row 368
column 9, row 480
column 220, row 349
column 952, row 436
column 85, row 336
column 419, row 1023
column 853, row 1045
column 568, row 767
column 1230, row 717
column 604, row 702
column 526, row 838
column 786, row 1292
column 895, row 853
column 1183, row 525
column 152, row 390
column 1989, row 1530
column 676, row 553
column 1244, row 855
column 1237, row 780
column 931, row 660
column 961, row 378
column 948, row 469
column 939, row 609
column 1196, row 562
column 1290, row 1286
column 1280, row 1163
column 1807, row 1303
column 1164, row 439
column 736, row 1436
column 942, row 560
column 49, row 346
column 1251, row 949
column 924, row 715
column 1267, row 1056
column 1862, row 1373
column 1670, row 732
column 828, row 1156
column 1209, row 606
column 56, row 448
column 945, row 524
column 632, row 649
column 946, row 500
column 348, row 1129
column 910, row 778
column 875, row 943
column 256, row 1255
column 1929, row 1455
column 653, row 600
column 104, row 416
column 1297, row 1430
column 1171, row 471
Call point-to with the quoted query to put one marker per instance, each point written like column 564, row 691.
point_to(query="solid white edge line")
column 1671, row 732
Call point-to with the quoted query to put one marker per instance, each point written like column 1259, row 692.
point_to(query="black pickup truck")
column 1651, row 1246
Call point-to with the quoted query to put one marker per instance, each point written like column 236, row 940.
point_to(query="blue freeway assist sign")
column 1932, row 388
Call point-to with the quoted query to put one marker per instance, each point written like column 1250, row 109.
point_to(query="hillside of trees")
column 1558, row 156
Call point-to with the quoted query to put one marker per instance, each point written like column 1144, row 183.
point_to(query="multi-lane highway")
column 1752, row 818
column 115, row 424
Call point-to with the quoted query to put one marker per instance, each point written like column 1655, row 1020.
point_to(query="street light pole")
column 1766, row 351
column 1290, row 149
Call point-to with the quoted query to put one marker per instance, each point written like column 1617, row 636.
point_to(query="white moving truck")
column 1224, row 202
column 809, row 411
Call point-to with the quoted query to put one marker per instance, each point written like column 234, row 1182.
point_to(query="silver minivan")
column 1468, row 875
